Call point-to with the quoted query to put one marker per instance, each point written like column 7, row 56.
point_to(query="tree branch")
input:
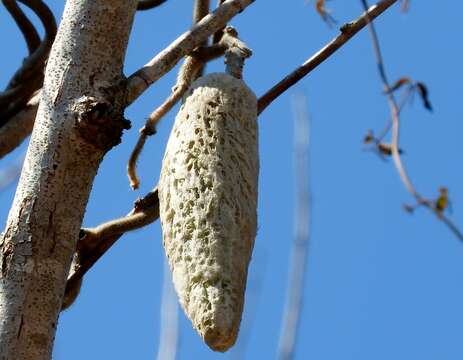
column 348, row 30
column 218, row 34
column 187, row 74
column 395, row 111
column 138, row 82
column 134, row 83
column 28, row 30
column 95, row 242
column 29, row 77
column 143, row 78
column 78, row 121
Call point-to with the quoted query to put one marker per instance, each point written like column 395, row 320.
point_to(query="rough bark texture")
column 79, row 119
column 208, row 199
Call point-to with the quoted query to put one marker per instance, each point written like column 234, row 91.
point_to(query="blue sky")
column 381, row 284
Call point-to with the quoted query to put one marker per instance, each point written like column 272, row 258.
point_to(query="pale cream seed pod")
column 208, row 201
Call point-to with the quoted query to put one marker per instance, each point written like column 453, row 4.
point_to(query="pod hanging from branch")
column 208, row 200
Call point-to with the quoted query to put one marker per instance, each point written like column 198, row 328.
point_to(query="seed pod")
column 208, row 200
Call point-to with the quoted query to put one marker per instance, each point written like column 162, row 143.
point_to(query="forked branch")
column 137, row 85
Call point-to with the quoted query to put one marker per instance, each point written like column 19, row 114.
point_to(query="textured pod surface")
column 208, row 200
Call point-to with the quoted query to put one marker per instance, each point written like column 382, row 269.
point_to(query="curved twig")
column 38, row 58
column 348, row 30
column 152, row 201
column 395, row 112
column 95, row 242
column 188, row 73
column 27, row 28
column 149, row 4
column 29, row 77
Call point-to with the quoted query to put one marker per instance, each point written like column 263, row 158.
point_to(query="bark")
column 78, row 121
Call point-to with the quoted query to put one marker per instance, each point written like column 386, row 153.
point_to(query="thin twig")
column 135, row 88
column 37, row 59
column 395, row 112
column 27, row 28
column 29, row 77
column 139, row 81
column 299, row 248
column 149, row 4
column 138, row 84
column 348, row 30
column 408, row 93
column 186, row 75
column 190, row 70
column 100, row 239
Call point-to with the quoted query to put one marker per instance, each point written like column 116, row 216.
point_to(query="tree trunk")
column 80, row 118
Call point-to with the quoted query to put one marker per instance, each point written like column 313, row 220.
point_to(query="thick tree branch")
column 218, row 34
column 138, row 82
column 80, row 118
column 161, row 64
column 314, row 61
column 347, row 32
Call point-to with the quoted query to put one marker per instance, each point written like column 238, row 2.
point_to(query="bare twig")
column 149, row 4
column 299, row 248
column 395, row 112
column 191, row 68
column 38, row 57
column 29, row 77
column 187, row 74
column 28, row 30
column 138, row 82
column 348, row 30
column 401, row 105
column 95, row 242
